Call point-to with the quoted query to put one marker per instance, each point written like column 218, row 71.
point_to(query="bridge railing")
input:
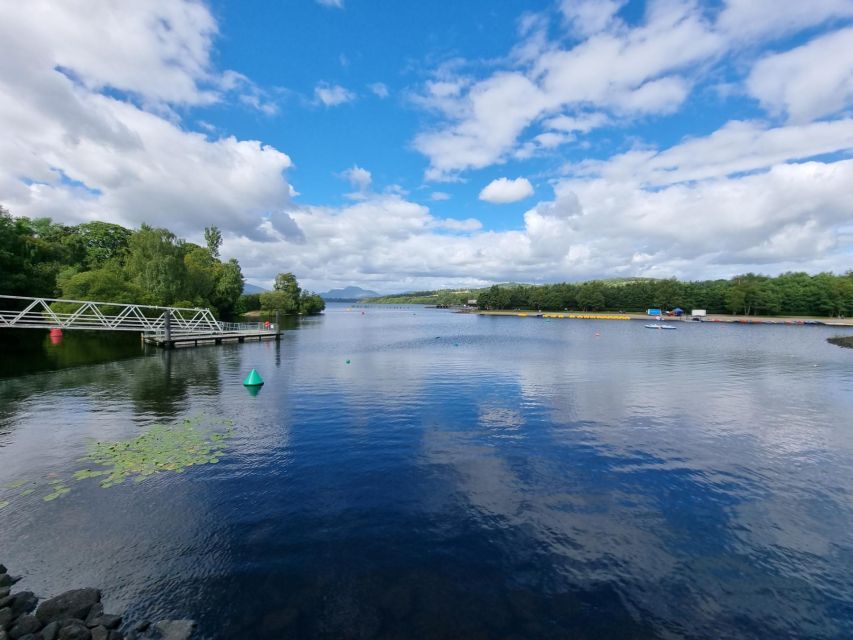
column 50, row 313
column 246, row 327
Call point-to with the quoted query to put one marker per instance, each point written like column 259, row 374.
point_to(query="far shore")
column 711, row 317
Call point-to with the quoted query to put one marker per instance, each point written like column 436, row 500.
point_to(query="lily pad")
column 158, row 449
column 4, row 504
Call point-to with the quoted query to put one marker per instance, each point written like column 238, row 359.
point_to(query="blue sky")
column 417, row 145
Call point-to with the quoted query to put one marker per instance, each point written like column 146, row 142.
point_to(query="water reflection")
column 462, row 477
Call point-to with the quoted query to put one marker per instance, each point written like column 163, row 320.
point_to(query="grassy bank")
column 841, row 341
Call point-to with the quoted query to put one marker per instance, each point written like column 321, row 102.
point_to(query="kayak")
column 660, row 326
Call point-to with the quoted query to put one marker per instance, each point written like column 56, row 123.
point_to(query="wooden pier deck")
column 194, row 340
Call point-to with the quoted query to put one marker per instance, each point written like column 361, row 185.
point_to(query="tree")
column 213, row 238
column 155, row 264
column 102, row 242
column 311, row 303
column 229, row 287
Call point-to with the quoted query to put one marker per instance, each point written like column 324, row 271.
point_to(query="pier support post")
column 277, row 325
column 168, row 343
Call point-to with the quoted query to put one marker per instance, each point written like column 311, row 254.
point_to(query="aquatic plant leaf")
column 17, row 484
column 4, row 504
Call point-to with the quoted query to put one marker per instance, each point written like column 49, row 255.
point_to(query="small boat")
column 660, row 326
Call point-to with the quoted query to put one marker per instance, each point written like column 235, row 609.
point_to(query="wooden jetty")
column 194, row 339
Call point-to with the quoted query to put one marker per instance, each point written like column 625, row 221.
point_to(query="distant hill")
column 252, row 288
column 348, row 293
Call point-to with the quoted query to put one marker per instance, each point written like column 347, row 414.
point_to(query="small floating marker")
column 348, row 361
column 253, row 379
column 455, row 344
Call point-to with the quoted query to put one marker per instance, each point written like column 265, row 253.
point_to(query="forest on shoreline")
column 793, row 293
column 107, row 262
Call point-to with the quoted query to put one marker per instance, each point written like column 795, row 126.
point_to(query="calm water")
column 461, row 477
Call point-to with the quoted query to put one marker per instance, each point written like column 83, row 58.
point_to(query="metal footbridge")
column 163, row 326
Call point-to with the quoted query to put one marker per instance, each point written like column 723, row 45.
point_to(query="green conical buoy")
column 253, row 379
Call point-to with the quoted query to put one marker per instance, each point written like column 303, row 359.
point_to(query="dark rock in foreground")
column 71, row 604
column 74, row 615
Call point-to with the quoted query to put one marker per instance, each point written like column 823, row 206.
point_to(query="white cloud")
column 504, row 190
column 810, row 81
column 336, row 4
column 360, row 179
column 747, row 20
column 379, row 89
column 333, row 95
column 737, row 147
column 439, row 195
column 73, row 152
column 625, row 71
column 588, row 17
column 787, row 217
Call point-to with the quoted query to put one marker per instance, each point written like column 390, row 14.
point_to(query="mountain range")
column 348, row 294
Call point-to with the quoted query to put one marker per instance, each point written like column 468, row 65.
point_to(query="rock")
column 4, row 592
column 23, row 602
column 25, row 625
column 5, row 618
column 105, row 620
column 6, row 602
column 3, row 569
column 115, row 635
column 72, row 604
column 74, row 630
column 100, row 633
column 6, row 580
column 50, row 631
column 174, row 629
column 142, row 626
column 3, row 635
column 96, row 611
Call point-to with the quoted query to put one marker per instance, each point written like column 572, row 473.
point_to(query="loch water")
column 415, row 473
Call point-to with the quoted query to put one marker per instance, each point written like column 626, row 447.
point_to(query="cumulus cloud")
column 588, row 17
column 332, row 95
column 504, row 190
column 90, row 133
column 360, row 179
column 629, row 71
column 745, row 20
column 782, row 218
column 810, row 81
column 379, row 89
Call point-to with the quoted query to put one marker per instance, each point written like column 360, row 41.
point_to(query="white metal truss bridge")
column 17, row 312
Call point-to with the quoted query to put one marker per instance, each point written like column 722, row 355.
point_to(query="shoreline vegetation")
column 724, row 318
column 790, row 295
column 106, row 262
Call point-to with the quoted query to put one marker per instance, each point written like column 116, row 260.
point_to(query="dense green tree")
column 103, row 242
column 155, row 264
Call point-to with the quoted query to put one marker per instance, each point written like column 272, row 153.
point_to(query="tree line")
column 286, row 298
column 110, row 263
column 792, row 293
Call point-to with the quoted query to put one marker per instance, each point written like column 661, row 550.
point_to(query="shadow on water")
column 26, row 351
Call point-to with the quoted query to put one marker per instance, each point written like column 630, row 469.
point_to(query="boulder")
column 74, row 630
column 96, row 611
column 6, row 580
column 72, row 604
column 105, row 620
column 23, row 602
column 173, row 629
column 100, row 633
column 51, row 631
column 24, row 625
column 5, row 618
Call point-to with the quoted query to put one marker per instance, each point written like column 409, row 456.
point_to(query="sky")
column 415, row 145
